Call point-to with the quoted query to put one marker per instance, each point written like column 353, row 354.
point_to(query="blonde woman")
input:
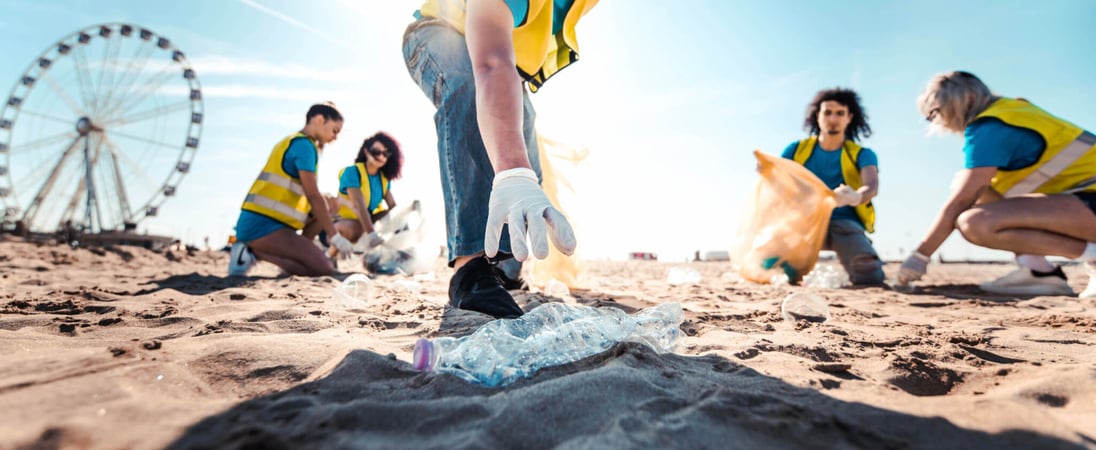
column 1029, row 184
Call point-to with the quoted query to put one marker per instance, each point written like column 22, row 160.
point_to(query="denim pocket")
column 421, row 65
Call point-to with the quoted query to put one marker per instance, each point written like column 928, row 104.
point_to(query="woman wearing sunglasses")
column 364, row 194
column 1028, row 187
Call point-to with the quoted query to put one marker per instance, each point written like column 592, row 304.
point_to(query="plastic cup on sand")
column 354, row 292
column 804, row 306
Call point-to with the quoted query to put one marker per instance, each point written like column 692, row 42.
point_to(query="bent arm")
column 389, row 200
column 317, row 201
column 364, row 214
column 969, row 185
column 869, row 176
column 489, row 34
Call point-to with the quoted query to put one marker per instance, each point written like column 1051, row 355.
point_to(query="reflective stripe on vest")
column 276, row 194
column 1048, row 170
column 276, row 206
column 1067, row 162
column 282, row 181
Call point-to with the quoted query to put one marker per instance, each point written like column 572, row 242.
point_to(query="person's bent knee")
column 976, row 225
column 349, row 229
column 326, row 269
column 866, row 269
column 320, row 268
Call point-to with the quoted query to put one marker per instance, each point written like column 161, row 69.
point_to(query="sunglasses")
column 933, row 113
column 378, row 153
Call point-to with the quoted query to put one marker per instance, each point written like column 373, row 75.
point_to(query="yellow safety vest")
column 850, row 154
column 346, row 206
column 1068, row 162
column 539, row 53
column 275, row 193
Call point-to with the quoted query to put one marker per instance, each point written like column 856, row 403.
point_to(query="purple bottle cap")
column 423, row 357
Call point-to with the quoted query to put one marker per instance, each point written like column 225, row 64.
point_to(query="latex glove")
column 518, row 200
column 913, row 269
column 846, row 196
column 373, row 239
column 342, row 244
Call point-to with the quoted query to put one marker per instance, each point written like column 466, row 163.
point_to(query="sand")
column 123, row 347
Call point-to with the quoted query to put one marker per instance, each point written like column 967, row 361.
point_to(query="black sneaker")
column 475, row 287
column 510, row 265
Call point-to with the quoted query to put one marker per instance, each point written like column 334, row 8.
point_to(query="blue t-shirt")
column 993, row 143
column 519, row 8
column 301, row 155
column 827, row 166
column 352, row 179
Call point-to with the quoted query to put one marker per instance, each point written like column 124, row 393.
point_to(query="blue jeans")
column 437, row 59
column 849, row 240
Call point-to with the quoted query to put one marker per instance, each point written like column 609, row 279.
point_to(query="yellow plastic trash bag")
column 786, row 225
column 557, row 266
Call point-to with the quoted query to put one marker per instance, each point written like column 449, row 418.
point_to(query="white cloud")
column 237, row 90
column 290, row 20
column 223, row 65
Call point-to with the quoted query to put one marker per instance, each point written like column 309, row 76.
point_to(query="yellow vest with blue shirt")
column 1067, row 163
column 850, row 171
column 275, row 193
column 346, row 205
column 543, row 44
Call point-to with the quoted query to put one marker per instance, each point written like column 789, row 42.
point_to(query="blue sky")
column 670, row 98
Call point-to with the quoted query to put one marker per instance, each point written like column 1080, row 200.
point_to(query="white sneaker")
column 240, row 260
column 1024, row 281
column 1090, row 291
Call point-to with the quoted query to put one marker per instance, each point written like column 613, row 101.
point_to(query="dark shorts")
column 1088, row 198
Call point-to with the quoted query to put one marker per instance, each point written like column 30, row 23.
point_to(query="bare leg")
column 286, row 264
column 349, row 229
column 1038, row 224
column 294, row 254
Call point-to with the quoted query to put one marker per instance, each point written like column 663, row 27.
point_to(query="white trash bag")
column 403, row 235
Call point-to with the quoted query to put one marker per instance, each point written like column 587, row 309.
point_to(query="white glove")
column 913, row 269
column 846, row 196
column 518, row 200
column 342, row 244
column 373, row 239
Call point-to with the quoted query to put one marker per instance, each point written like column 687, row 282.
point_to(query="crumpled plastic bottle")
column 502, row 351
column 827, row 276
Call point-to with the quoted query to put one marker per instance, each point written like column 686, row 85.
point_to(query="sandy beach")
column 122, row 347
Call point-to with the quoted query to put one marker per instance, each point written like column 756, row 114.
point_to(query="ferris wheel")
column 98, row 131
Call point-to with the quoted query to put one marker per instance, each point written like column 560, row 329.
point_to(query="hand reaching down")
column 913, row 269
column 518, row 200
column 342, row 244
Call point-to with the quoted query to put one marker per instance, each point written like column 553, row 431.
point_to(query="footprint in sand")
column 923, row 378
